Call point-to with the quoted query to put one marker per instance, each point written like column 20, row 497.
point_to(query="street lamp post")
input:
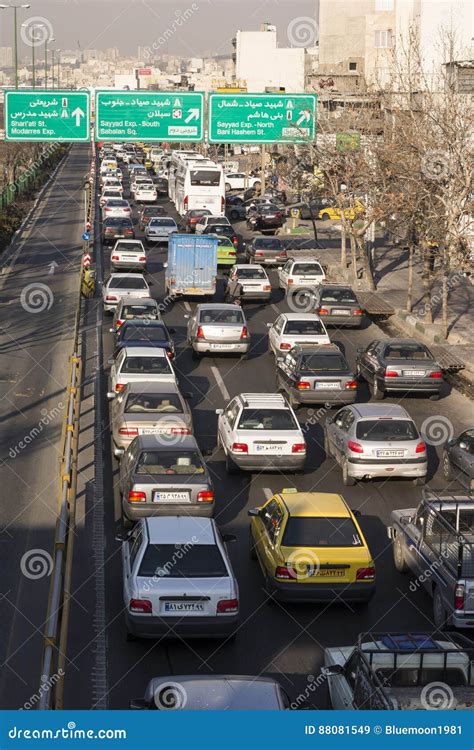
column 15, row 35
column 52, row 68
column 58, row 77
column 33, row 27
column 46, row 60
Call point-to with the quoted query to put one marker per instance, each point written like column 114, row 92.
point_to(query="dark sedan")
column 458, row 459
column 161, row 185
column 266, row 251
column 191, row 218
column 117, row 228
column 402, row 365
column 265, row 217
column 149, row 212
column 142, row 332
column 223, row 230
column 338, row 305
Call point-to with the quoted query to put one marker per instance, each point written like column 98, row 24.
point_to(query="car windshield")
column 220, row 229
column 201, row 177
column 407, row 351
column 136, row 332
column 267, row 419
column 307, row 269
column 182, row 561
column 322, row 363
column 303, row 328
column 135, row 247
column 224, row 244
column 267, row 243
column 251, row 273
column 139, row 311
column 162, row 223
column 146, row 365
column 170, row 462
column 221, row 316
column 321, row 532
column 128, row 282
column 382, row 430
column 339, row 295
column 153, row 403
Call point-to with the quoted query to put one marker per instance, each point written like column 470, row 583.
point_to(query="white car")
column 116, row 207
column 110, row 181
column 297, row 274
column 107, row 164
column 128, row 155
column 240, row 181
column 129, row 254
column 290, row 329
column 134, row 364
column 253, row 280
column 209, row 221
column 114, row 174
column 140, row 180
column 159, row 229
column 145, row 193
column 120, row 285
column 178, row 579
column 110, row 193
column 260, row 431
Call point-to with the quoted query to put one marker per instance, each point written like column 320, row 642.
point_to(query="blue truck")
column 192, row 265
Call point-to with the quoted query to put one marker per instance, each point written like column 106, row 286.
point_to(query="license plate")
column 414, row 373
column 222, row 346
column 341, row 312
column 130, row 257
column 390, row 454
column 184, row 607
column 329, row 386
column 269, row 448
column 171, row 497
column 120, row 236
column 329, row 573
column 194, row 290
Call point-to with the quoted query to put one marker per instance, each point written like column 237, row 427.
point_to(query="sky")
column 207, row 28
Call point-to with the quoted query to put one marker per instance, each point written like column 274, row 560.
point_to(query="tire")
column 440, row 618
column 447, row 468
column 325, row 217
column 196, row 355
column 399, row 557
column 230, row 466
column 252, row 552
column 347, row 480
column 419, row 481
column 377, row 392
column 294, row 403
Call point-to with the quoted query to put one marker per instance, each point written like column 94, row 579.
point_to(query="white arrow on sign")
column 78, row 113
column 193, row 115
column 304, row 117
column 52, row 266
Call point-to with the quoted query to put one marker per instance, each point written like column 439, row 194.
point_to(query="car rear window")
column 135, row 247
column 407, row 351
column 321, row 532
column 221, row 316
column 131, row 332
column 184, row 463
column 303, row 328
column 251, row 273
column 267, row 243
column 339, row 295
column 386, row 429
column 267, row 419
column 129, row 282
column 139, row 311
column 118, row 221
column 146, row 365
column 116, row 203
column 153, row 403
column 307, row 269
column 162, row 223
column 322, row 363
column 183, row 561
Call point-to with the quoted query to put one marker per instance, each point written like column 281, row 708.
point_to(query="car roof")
column 301, row 316
column 224, row 692
column 276, row 400
column 145, row 351
column 216, row 306
column 180, row 529
column 375, row 411
column 143, row 386
column 139, row 301
column 310, row 504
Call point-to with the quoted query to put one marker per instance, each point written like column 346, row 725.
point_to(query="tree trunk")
column 343, row 249
column 366, row 265
column 444, row 303
column 353, row 257
column 411, row 251
column 427, row 285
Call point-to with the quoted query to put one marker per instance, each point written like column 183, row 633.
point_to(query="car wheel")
column 377, row 392
column 439, row 613
column 196, row 355
column 347, row 480
column 399, row 556
column 325, row 217
column 294, row 403
column 447, row 467
column 252, row 552
column 230, row 465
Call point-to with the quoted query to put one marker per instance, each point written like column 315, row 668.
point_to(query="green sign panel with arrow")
column 262, row 118
column 37, row 115
column 149, row 116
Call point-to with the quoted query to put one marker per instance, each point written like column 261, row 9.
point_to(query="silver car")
column 218, row 328
column 159, row 229
column 134, row 308
column 138, row 364
column 122, row 285
column 143, row 408
column 372, row 440
column 164, row 474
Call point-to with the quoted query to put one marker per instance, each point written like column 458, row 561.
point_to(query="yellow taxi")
column 333, row 213
column 311, row 548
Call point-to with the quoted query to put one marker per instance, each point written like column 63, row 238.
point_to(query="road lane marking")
column 276, row 308
column 220, row 382
column 187, row 305
column 268, row 493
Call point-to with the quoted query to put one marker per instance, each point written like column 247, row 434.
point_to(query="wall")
column 261, row 63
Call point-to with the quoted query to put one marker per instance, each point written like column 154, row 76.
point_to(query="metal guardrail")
column 53, row 665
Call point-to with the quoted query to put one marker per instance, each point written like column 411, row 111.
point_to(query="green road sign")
column 262, row 118
column 347, row 142
column 47, row 115
column 149, row 116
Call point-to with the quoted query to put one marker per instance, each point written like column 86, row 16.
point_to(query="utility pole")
column 263, row 153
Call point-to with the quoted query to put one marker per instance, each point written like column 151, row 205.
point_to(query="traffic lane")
column 37, row 319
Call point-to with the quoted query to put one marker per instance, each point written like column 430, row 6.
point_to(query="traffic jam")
column 277, row 501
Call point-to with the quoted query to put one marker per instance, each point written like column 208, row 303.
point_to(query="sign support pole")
column 263, row 153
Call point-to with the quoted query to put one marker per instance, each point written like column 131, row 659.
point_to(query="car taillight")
column 235, row 240
column 284, row 573
column 180, row 431
column 227, row 605
column 128, row 431
column 436, row 375
column 141, row 605
column 365, row 574
column 259, row 254
column 119, row 387
column 245, row 333
column 231, row 253
column 420, row 448
column 285, row 346
column 240, row 448
column 303, row 385
column 290, row 282
column 323, row 311
column 186, row 202
column 170, row 354
column 390, row 374
column 222, row 203
column 354, row 447
column 142, row 258
column 205, row 496
column 136, row 497
column 199, row 333
column 298, row 448
column 358, row 311
column 111, row 298
column 119, row 323
column 267, row 288
column 459, row 596
column 351, row 385
column 115, row 257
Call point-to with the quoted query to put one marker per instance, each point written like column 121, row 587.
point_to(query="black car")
column 142, row 332
column 307, row 209
column 149, row 212
column 458, row 459
column 338, row 305
column 316, row 375
column 223, row 230
column 265, row 217
column 117, row 228
column 402, row 365
column 294, row 245
column 234, row 208
column 161, row 185
column 266, row 251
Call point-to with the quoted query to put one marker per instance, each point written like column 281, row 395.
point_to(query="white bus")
column 200, row 184
column 176, row 158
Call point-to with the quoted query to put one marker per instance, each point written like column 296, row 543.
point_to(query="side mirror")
column 111, row 395
column 335, row 669
column 390, row 532
column 219, row 411
column 254, row 512
column 165, row 265
column 229, row 538
column 186, row 316
column 139, row 704
column 111, row 360
column 463, row 445
column 269, row 325
column 122, row 536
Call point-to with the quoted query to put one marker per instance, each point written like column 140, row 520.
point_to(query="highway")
column 286, row 642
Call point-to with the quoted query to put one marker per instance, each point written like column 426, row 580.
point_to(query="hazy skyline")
column 208, row 27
